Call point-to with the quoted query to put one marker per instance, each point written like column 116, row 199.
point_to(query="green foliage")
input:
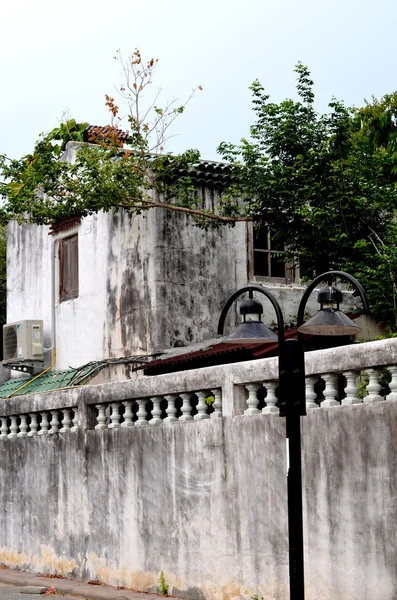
column 69, row 131
column 384, row 379
column 163, row 586
column 209, row 400
column 362, row 385
column 326, row 186
column 45, row 187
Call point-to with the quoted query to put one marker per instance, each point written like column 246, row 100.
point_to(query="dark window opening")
column 68, row 268
column 268, row 258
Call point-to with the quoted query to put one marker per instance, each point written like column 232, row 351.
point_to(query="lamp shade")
column 251, row 332
column 329, row 321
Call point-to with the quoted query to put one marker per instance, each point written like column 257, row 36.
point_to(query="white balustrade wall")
column 185, row 473
column 356, row 374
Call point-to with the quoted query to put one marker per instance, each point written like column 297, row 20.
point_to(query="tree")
column 325, row 185
column 112, row 169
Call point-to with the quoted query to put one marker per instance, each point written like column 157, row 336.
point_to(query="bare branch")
column 144, row 204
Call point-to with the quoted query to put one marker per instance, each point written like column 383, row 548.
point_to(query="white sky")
column 57, row 56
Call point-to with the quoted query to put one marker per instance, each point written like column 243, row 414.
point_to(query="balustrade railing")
column 156, row 410
column 329, row 389
column 46, row 422
column 361, row 374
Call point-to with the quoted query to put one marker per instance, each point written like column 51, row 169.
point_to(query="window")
column 269, row 259
column 68, row 268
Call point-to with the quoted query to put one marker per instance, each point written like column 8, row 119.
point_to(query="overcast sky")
column 57, row 56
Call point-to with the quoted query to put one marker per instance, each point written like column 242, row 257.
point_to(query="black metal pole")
column 293, row 406
column 295, row 508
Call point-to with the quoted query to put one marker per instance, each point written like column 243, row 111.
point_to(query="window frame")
column 68, row 283
column 291, row 269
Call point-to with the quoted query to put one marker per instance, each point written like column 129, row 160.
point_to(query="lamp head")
column 251, row 329
column 329, row 320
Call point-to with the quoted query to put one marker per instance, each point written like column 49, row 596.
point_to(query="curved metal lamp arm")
column 251, row 289
column 330, row 275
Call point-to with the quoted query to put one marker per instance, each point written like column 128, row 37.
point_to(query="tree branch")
column 145, row 204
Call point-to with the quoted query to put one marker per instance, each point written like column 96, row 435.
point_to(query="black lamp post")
column 329, row 321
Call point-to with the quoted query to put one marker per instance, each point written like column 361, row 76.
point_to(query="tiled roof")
column 96, row 132
column 208, row 173
column 64, row 225
column 220, row 353
column 215, row 174
column 216, row 354
column 53, row 380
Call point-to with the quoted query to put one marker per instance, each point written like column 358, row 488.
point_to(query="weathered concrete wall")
column 145, row 283
column 351, row 503
column 29, row 275
column 195, row 500
column 206, row 503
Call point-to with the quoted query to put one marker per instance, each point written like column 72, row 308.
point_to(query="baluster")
column 66, row 421
column 271, row 398
column 141, row 414
column 128, row 422
column 4, row 427
column 156, row 411
column 171, row 408
column 217, row 405
column 115, row 416
column 202, row 406
column 351, row 388
column 330, row 392
column 186, row 407
column 311, row 395
column 44, row 425
column 252, row 400
column 393, row 384
column 101, row 418
column 373, row 386
column 33, row 424
column 13, row 427
column 23, row 427
column 75, row 421
column 54, row 422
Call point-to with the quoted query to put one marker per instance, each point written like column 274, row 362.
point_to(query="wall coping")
column 335, row 360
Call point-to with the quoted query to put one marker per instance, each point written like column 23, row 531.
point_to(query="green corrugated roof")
column 53, row 380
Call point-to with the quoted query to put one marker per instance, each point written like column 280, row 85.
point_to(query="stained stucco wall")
column 206, row 503
column 145, row 283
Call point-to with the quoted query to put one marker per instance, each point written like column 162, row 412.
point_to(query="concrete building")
column 117, row 286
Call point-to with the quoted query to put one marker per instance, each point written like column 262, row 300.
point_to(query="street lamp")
column 328, row 321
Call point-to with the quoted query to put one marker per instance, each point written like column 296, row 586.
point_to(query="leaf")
column 15, row 187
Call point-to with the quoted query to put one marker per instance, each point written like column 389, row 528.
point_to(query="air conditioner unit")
column 23, row 341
